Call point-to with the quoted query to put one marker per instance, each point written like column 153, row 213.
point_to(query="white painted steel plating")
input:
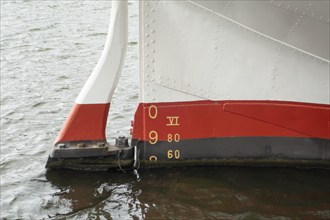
column 101, row 85
column 234, row 50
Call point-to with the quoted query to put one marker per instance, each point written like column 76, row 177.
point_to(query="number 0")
column 153, row 111
column 177, row 154
column 176, row 137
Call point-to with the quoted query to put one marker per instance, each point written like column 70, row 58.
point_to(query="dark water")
column 48, row 49
column 195, row 193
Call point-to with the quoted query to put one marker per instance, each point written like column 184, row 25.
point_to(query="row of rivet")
column 294, row 9
column 215, row 64
column 149, row 50
column 163, row 81
column 276, row 42
column 278, row 54
column 229, row 3
column 279, row 44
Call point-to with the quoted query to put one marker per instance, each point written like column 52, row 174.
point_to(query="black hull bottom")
column 242, row 151
column 236, row 151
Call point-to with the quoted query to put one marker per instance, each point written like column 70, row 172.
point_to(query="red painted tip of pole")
column 86, row 122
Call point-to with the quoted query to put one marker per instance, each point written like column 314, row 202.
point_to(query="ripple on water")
column 37, row 104
column 49, row 48
column 97, row 34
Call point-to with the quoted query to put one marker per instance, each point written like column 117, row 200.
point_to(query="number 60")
column 170, row 154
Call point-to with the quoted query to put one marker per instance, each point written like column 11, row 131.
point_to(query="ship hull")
column 217, row 85
column 243, row 151
column 234, row 132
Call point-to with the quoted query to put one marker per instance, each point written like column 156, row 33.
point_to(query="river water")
column 48, row 50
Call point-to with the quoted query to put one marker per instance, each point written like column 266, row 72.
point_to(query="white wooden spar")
column 102, row 83
column 88, row 117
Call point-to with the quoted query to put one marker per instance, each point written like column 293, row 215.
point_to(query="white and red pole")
column 88, row 117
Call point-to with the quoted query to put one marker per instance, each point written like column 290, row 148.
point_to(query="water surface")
column 48, row 50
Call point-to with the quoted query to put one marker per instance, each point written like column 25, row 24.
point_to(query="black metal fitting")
column 122, row 142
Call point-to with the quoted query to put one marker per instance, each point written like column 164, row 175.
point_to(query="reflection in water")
column 96, row 194
column 48, row 50
column 195, row 193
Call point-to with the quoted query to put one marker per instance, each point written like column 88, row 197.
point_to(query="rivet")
column 153, row 20
column 147, row 55
column 146, row 44
column 147, row 15
column 153, row 41
column 146, row 25
column 147, row 65
column 152, row 60
column 152, row 10
column 146, row 35
column 153, row 50
column 153, row 70
column 152, row 31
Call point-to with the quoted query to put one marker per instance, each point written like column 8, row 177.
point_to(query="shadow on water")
column 196, row 193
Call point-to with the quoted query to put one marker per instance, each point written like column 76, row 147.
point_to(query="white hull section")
column 101, row 85
column 236, row 50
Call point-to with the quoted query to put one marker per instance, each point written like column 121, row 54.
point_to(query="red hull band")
column 213, row 119
column 85, row 122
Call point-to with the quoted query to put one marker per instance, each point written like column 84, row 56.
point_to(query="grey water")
column 48, row 50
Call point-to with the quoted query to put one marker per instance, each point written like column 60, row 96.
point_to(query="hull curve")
column 239, row 130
